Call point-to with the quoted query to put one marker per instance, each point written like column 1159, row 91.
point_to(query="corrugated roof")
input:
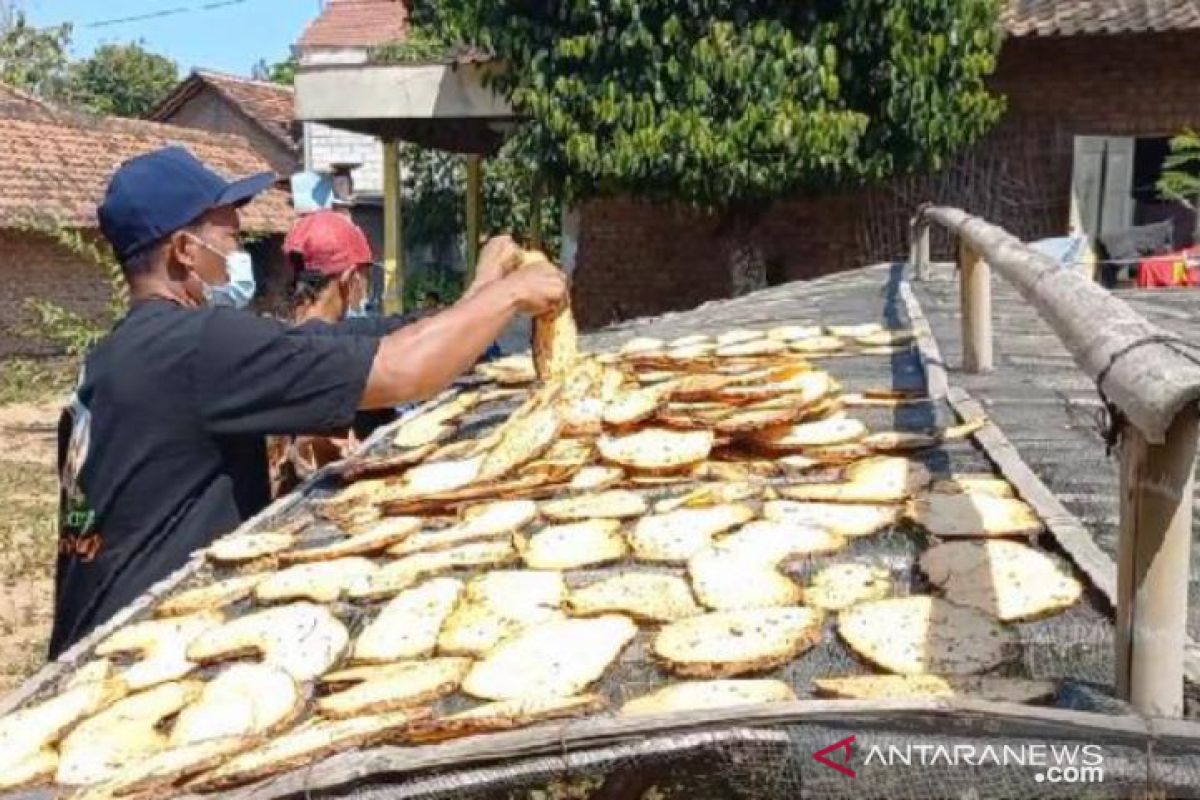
column 57, row 164
column 357, row 23
column 269, row 105
column 1097, row 17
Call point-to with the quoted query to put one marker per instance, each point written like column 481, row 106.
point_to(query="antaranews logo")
column 825, row 756
column 1055, row 763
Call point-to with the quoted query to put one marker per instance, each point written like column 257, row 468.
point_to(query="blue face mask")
column 239, row 291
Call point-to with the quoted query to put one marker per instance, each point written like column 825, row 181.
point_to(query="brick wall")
column 210, row 112
column 637, row 258
column 325, row 145
column 33, row 266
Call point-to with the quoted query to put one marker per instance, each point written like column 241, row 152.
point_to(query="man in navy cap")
column 163, row 447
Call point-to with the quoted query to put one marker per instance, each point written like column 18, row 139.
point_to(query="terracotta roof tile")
column 1093, row 17
column 59, row 165
column 357, row 23
column 270, row 105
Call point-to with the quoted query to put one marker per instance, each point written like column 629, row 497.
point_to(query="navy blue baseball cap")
column 151, row 196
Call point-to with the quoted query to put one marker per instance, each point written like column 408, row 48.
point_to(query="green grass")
column 28, row 548
column 27, row 380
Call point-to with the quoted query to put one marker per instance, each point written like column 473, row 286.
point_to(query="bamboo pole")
column 975, row 283
column 474, row 212
column 1153, row 557
column 393, row 231
column 919, row 250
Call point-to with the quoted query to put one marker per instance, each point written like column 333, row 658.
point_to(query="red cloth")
column 1170, row 269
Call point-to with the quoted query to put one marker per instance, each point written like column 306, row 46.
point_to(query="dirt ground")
column 28, row 508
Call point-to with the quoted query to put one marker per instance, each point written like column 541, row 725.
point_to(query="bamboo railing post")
column 975, row 283
column 1154, row 556
column 919, row 249
column 393, row 230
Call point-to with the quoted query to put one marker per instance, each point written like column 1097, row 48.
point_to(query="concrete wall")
column 324, row 145
column 637, row 258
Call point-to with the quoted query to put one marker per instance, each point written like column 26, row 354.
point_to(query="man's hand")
column 539, row 288
column 499, row 256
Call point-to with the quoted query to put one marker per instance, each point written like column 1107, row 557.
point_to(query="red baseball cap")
column 328, row 242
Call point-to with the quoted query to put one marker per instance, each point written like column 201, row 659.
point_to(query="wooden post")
column 975, row 283
column 393, row 231
column 1153, row 557
column 919, row 251
column 474, row 212
column 535, row 212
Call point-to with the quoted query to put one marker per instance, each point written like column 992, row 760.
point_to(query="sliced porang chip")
column 966, row 483
column 614, row 504
column 244, row 700
column 918, row 634
column 817, row 345
column 656, row 449
column 396, row 686
column 758, row 347
column 320, row 581
column 524, row 440
column 360, row 467
column 694, row 695
column 243, row 547
column 855, row 330
column 728, row 643
column 498, row 606
column 900, row 687
column 840, row 586
column 433, row 425
column 407, row 571
column 739, row 336
column 596, row 477
column 798, row 381
column 505, row 715
column 727, row 580
column 632, row 406
column 644, row 596
column 843, row 519
column 711, row 494
column 379, row 536
column 483, row 521
column 792, row 333
column 122, row 734
column 1008, row 580
column 574, row 545
column 875, row 480
column 302, row 639
column 807, row 435
column 408, row 626
column 555, row 659
column 308, row 744
column 966, row 514
column 675, row 536
column 160, row 646
column 28, row 736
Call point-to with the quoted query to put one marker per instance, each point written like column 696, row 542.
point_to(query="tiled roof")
column 57, row 165
column 269, row 105
column 357, row 23
column 1090, row 17
column 14, row 101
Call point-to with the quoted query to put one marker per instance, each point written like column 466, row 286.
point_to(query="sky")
column 225, row 35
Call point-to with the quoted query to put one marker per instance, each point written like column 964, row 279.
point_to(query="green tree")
column 124, row 80
column 281, row 72
column 730, row 105
column 32, row 59
column 1180, row 180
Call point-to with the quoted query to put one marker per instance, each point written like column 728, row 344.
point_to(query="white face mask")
column 358, row 310
column 239, row 291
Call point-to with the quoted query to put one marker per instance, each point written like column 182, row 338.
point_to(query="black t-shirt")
column 365, row 422
column 163, row 448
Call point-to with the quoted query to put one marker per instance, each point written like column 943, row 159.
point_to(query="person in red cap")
column 331, row 261
column 331, row 258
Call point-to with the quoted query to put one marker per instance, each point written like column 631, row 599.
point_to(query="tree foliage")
column 123, row 80
column 33, row 59
column 724, row 102
column 1180, row 178
column 281, row 72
